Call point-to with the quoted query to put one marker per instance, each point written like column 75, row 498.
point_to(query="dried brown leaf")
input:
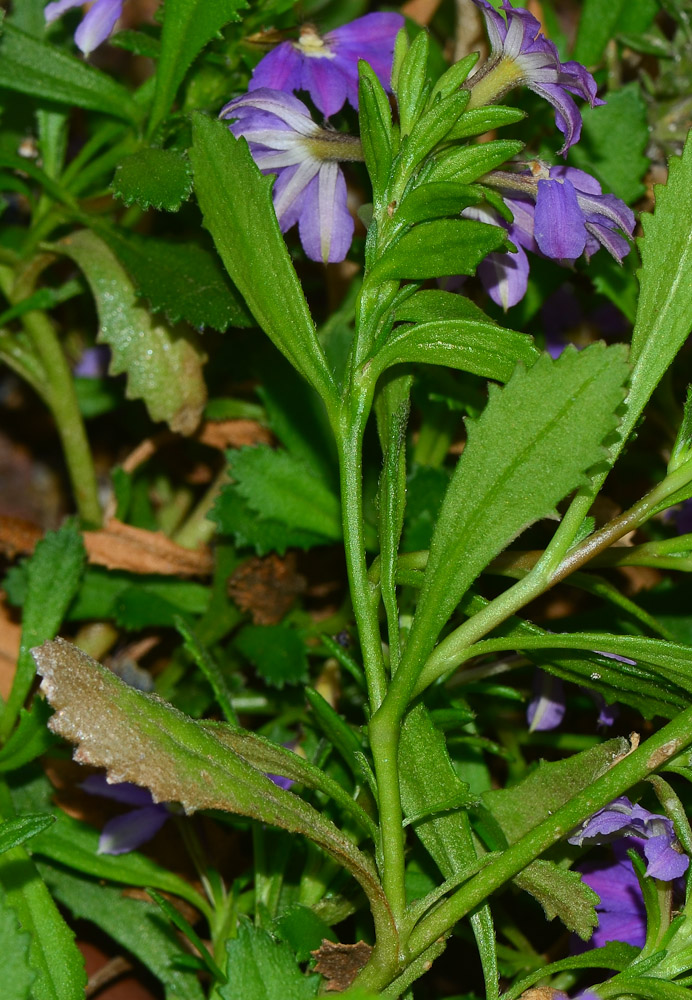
column 267, row 587
column 17, row 536
column 224, row 434
column 340, row 963
column 120, row 546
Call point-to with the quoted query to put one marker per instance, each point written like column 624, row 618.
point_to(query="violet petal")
column 546, row 709
column 559, row 224
column 98, row 24
column 118, row 791
column 664, row 862
column 132, row 829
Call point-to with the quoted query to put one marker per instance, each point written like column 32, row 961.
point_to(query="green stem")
column 633, row 768
column 365, row 603
column 63, row 403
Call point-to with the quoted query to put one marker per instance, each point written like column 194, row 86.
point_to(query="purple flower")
column 560, row 213
column 94, row 362
column 134, row 828
column 326, row 66
column 520, row 54
column 655, row 833
column 97, row 24
column 546, row 710
column 621, row 911
column 310, row 188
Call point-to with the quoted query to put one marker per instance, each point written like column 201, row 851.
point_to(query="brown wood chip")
column 341, row 963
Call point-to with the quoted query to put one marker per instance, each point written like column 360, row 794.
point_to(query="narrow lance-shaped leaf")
column 17, row 974
column 664, row 313
column 139, row 738
column 238, row 212
column 53, row 576
column 38, row 68
column 188, row 26
column 163, row 364
column 531, row 446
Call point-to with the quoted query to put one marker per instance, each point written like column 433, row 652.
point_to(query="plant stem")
column 630, row 770
column 62, row 399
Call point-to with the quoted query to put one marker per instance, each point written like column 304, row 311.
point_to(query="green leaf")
column 137, row 926
column 53, row 574
column 235, row 517
column 531, row 446
column 30, row 738
column 188, row 26
column 562, row 894
column 210, row 668
column 277, row 652
column 140, row 738
column 439, row 248
column 302, row 929
column 433, row 796
column 596, row 27
column 481, row 120
column 455, row 76
column 161, row 178
column 432, row 128
column 282, row 488
column 163, row 365
column 17, row 974
column 185, row 280
column 613, row 143
column 241, row 218
column 482, row 348
column 260, row 968
column 14, row 832
column 375, row 120
column 54, row 958
column 435, row 201
column 433, row 305
column 179, row 921
column 525, row 805
column 43, row 70
column 410, row 90
column 664, row 314
column 466, row 164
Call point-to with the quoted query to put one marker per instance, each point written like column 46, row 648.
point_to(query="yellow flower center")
column 311, row 43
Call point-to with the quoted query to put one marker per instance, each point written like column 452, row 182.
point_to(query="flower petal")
column 505, row 277
column 118, row 791
column 664, row 862
column 559, row 223
column 546, row 709
column 325, row 225
column 278, row 70
column 56, row 9
column 325, row 83
column 131, row 830
column 98, row 24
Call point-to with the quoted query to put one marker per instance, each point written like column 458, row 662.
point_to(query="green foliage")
column 137, row 926
column 17, row 974
column 241, row 218
column 158, row 178
column 188, row 26
column 14, row 832
column 282, row 488
column 596, row 25
column 482, row 348
column 435, row 249
column 53, row 958
column 185, row 280
column 260, row 968
column 136, row 600
column 532, row 445
column 276, row 651
column 376, row 130
column 178, row 759
column 53, row 575
column 302, row 929
column 37, row 68
column 30, row 739
column 614, row 955
column 614, row 141
column 665, row 304
column 163, row 364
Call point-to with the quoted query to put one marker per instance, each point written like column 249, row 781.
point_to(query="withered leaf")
column 340, row 963
column 140, row 738
column 121, row 546
column 267, row 587
column 238, row 433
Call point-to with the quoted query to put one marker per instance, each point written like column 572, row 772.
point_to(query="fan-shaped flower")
column 96, row 25
column 326, row 66
column 310, row 188
column 521, row 55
